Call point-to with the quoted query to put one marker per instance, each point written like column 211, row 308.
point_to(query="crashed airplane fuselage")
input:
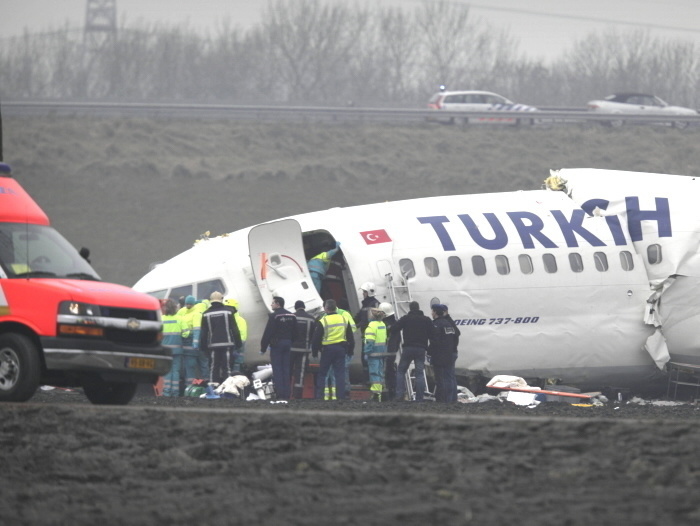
column 592, row 280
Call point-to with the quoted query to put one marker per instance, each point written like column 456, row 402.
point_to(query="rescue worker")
column 280, row 332
column 333, row 338
column 454, row 355
column 416, row 329
column 393, row 343
column 172, row 339
column 362, row 317
column 219, row 336
column 368, row 302
column 443, row 353
column 191, row 318
column 203, row 360
column 330, row 392
column 318, row 266
column 301, row 346
column 237, row 356
column 375, row 344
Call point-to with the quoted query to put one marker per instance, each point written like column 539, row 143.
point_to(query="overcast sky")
column 544, row 28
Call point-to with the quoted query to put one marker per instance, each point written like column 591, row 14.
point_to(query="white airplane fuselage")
column 595, row 285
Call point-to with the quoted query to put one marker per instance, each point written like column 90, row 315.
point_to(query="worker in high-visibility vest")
column 237, row 357
column 333, row 338
column 330, row 391
column 375, row 344
column 318, row 266
column 191, row 316
column 172, row 339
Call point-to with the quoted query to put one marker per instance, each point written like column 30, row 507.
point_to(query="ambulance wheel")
column 20, row 368
column 100, row 392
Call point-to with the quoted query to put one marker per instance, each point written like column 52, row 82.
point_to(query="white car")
column 467, row 101
column 637, row 103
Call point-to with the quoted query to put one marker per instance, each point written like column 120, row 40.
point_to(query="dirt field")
column 138, row 191
column 191, row 461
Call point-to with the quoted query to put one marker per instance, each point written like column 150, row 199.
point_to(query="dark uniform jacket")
column 281, row 325
column 362, row 317
column 393, row 340
column 443, row 342
column 417, row 329
column 305, row 329
column 219, row 328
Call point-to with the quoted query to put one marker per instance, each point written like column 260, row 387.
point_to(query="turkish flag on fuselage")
column 373, row 237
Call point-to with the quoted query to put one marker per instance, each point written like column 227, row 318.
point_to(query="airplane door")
column 279, row 265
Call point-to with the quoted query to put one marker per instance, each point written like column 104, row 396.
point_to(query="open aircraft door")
column 279, row 265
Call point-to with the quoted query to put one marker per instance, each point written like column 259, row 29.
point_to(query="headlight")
column 78, row 309
column 78, row 319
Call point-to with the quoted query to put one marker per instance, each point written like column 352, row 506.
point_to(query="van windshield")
column 37, row 251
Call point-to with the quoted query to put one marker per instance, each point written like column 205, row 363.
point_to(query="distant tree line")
column 308, row 52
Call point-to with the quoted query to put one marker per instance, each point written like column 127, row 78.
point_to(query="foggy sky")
column 544, row 28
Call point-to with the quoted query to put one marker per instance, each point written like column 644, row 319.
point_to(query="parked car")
column 467, row 101
column 620, row 104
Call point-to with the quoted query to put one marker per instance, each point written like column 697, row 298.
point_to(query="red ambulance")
column 60, row 325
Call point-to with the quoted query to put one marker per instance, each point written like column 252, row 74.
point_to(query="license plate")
column 141, row 363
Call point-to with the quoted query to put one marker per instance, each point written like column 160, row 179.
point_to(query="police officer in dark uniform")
column 301, row 346
column 443, row 354
column 280, row 332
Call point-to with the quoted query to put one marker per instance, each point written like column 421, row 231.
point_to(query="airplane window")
column 601, row 261
column 525, row 263
column 550, row 263
column 502, row 265
column 478, row 265
column 576, row 262
column 626, row 260
column 431, row 267
column 455, row 265
column 205, row 288
column 654, row 254
column 407, row 269
column 158, row 294
column 179, row 292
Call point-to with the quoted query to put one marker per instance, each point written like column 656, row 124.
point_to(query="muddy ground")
column 192, row 461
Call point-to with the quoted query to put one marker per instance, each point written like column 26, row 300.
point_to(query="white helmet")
column 368, row 287
column 387, row 308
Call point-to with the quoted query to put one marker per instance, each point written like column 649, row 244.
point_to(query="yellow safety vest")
column 242, row 326
column 376, row 331
column 172, row 331
column 348, row 317
column 334, row 326
column 191, row 319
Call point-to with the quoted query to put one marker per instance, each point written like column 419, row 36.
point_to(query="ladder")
column 400, row 298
